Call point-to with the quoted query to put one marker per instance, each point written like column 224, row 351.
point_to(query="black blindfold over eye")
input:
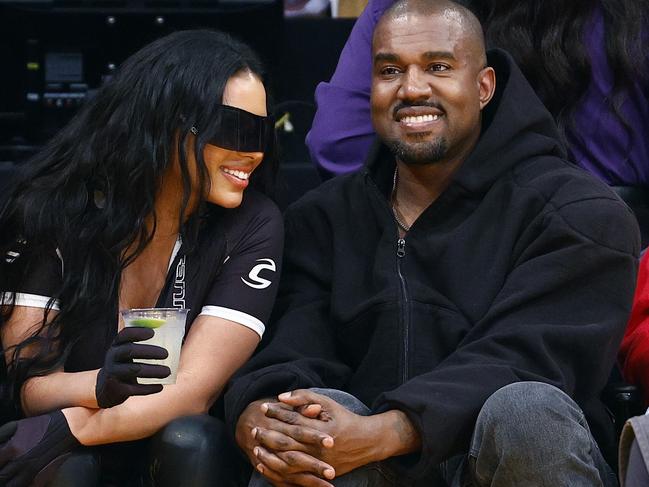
column 241, row 131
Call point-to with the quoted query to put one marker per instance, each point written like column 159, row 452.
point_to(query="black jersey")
column 232, row 273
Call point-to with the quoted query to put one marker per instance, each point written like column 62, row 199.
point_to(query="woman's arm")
column 59, row 390
column 214, row 349
column 53, row 391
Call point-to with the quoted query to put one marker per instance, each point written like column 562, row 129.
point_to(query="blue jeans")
column 527, row 434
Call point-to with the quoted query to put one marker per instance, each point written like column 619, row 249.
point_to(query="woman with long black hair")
column 138, row 202
column 588, row 62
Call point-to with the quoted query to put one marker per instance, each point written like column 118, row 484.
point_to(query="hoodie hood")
column 516, row 127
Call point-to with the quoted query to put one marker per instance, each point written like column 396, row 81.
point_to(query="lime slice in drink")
column 148, row 322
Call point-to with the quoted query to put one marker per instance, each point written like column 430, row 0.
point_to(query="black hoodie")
column 522, row 270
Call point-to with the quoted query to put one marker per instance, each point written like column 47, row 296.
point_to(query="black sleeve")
column 35, row 275
column 299, row 350
column 245, row 289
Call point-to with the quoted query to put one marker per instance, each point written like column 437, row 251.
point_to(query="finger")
column 6, row 451
column 150, row 371
column 295, row 467
column 302, row 397
column 287, row 415
column 274, row 483
column 8, row 473
column 20, row 479
column 8, row 430
column 133, row 334
column 301, row 435
column 308, row 432
column 273, row 478
column 310, row 410
column 294, row 480
column 129, row 351
column 142, row 389
column 275, row 440
column 307, row 463
column 129, row 371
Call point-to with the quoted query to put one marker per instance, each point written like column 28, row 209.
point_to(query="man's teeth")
column 420, row 119
column 236, row 174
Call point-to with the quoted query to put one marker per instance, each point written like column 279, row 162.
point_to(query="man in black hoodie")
column 468, row 289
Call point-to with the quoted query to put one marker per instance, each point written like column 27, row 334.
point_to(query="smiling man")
column 448, row 316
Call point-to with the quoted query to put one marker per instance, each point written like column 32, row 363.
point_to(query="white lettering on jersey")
column 179, row 285
column 11, row 256
column 255, row 281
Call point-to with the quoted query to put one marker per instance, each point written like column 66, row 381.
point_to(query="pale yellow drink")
column 168, row 325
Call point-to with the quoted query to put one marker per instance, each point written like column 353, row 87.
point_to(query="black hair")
column 546, row 38
column 91, row 189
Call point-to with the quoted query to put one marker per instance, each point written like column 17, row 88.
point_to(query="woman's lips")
column 238, row 177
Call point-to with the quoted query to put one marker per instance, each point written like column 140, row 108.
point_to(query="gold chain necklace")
column 393, row 203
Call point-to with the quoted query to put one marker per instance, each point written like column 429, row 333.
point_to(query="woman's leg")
column 192, row 451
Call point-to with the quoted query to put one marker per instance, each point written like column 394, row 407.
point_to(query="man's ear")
column 486, row 85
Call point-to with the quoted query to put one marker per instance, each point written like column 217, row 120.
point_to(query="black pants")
column 190, row 451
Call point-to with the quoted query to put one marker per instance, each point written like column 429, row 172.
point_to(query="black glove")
column 117, row 379
column 32, row 449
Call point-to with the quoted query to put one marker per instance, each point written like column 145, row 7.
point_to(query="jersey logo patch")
column 256, row 281
column 179, row 285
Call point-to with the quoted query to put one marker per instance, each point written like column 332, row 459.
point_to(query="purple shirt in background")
column 342, row 130
column 600, row 143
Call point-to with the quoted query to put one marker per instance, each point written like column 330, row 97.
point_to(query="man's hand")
column 31, row 449
column 289, row 464
column 357, row 440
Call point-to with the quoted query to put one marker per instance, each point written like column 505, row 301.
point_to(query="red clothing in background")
column 634, row 353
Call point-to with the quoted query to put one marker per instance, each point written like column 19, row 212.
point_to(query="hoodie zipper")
column 405, row 307
column 404, row 302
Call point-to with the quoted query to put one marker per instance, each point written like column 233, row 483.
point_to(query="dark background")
column 53, row 56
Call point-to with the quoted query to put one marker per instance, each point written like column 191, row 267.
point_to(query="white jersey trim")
column 30, row 300
column 237, row 316
column 174, row 252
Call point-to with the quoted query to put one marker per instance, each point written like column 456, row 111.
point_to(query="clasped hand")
column 304, row 439
column 117, row 379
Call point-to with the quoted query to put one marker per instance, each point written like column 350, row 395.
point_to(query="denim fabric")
column 533, row 434
column 527, row 434
column 634, row 452
column 636, row 473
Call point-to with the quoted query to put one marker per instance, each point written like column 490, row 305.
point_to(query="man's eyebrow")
column 385, row 57
column 388, row 57
column 439, row 55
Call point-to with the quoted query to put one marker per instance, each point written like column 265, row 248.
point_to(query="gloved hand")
column 117, row 379
column 32, row 449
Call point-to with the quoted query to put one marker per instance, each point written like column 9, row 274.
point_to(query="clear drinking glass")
column 168, row 325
